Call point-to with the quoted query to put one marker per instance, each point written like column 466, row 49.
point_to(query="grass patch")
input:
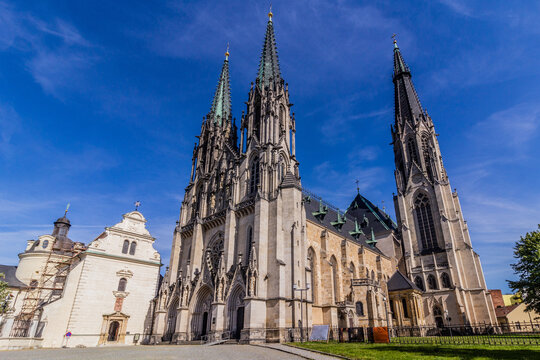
column 409, row 351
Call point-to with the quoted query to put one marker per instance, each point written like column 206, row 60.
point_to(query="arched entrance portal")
column 438, row 316
column 200, row 320
column 171, row 320
column 113, row 331
column 236, row 311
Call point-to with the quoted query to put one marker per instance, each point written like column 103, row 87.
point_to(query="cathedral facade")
column 256, row 257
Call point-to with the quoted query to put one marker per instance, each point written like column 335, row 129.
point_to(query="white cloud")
column 9, row 124
column 57, row 52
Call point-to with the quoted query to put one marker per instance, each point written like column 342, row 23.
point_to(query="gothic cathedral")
column 258, row 258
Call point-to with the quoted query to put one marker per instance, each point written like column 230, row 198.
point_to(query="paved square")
column 162, row 352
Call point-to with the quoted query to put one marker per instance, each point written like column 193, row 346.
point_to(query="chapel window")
column 405, row 309
column 432, row 282
column 359, row 308
column 419, row 283
column 122, row 284
column 132, row 248
column 424, row 218
column 445, row 281
column 125, row 247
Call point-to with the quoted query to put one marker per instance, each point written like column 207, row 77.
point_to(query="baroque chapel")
column 258, row 258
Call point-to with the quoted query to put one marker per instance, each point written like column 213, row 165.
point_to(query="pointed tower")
column 269, row 125
column 438, row 253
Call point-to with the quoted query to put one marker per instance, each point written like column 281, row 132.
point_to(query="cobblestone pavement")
column 162, row 352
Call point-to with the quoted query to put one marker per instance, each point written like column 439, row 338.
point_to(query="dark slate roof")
column 398, row 281
column 377, row 219
column 269, row 64
column 11, row 279
column 312, row 206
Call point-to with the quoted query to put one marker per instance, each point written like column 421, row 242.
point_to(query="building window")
column 45, row 244
column 411, row 149
column 359, row 308
column 122, row 284
column 249, row 243
column 254, row 180
column 333, row 264
column 418, row 281
column 432, row 282
column 405, row 310
column 445, row 281
column 427, row 156
column 424, row 218
column 125, row 247
column 33, row 284
column 132, row 248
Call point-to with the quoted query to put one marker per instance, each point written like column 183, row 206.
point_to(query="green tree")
column 527, row 252
column 4, row 294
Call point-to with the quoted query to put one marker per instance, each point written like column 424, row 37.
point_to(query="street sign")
column 68, row 334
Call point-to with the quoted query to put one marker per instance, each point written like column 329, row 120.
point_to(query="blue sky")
column 100, row 103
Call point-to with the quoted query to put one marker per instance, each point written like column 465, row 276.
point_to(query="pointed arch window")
column 333, row 264
column 419, row 283
column 427, row 156
column 432, row 282
column 359, row 308
column 424, row 218
column 445, row 281
column 412, row 151
column 125, row 247
column 249, row 243
column 254, row 176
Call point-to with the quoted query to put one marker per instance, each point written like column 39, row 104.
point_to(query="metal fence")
column 515, row 333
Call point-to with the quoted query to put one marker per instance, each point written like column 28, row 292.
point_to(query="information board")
column 380, row 335
column 319, row 333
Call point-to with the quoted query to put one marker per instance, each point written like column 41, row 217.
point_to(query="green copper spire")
column 357, row 231
column 221, row 105
column 372, row 241
column 269, row 64
column 400, row 66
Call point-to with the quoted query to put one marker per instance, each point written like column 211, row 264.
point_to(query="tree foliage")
column 4, row 294
column 527, row 252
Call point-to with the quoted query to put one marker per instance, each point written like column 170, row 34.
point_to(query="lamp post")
column 301, row 308
column 387, row 319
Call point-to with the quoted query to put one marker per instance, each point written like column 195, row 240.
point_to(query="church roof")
column 11, row 279
column 269, row 64
column 364, row 210
column 398, row 281
column 221, row 104
column 333, row 219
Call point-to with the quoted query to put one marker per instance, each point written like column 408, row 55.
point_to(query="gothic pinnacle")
column 269, row 64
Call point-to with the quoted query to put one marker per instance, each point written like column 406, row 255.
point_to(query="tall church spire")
column 269, row 64
column 407, row 104
column 221, row 105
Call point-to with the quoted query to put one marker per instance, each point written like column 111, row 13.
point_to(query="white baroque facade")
column 101, row 293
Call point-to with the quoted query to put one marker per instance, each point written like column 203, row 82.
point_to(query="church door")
column 113, row 331
column 439, row 322
column 239, row 322
column 204, row 324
